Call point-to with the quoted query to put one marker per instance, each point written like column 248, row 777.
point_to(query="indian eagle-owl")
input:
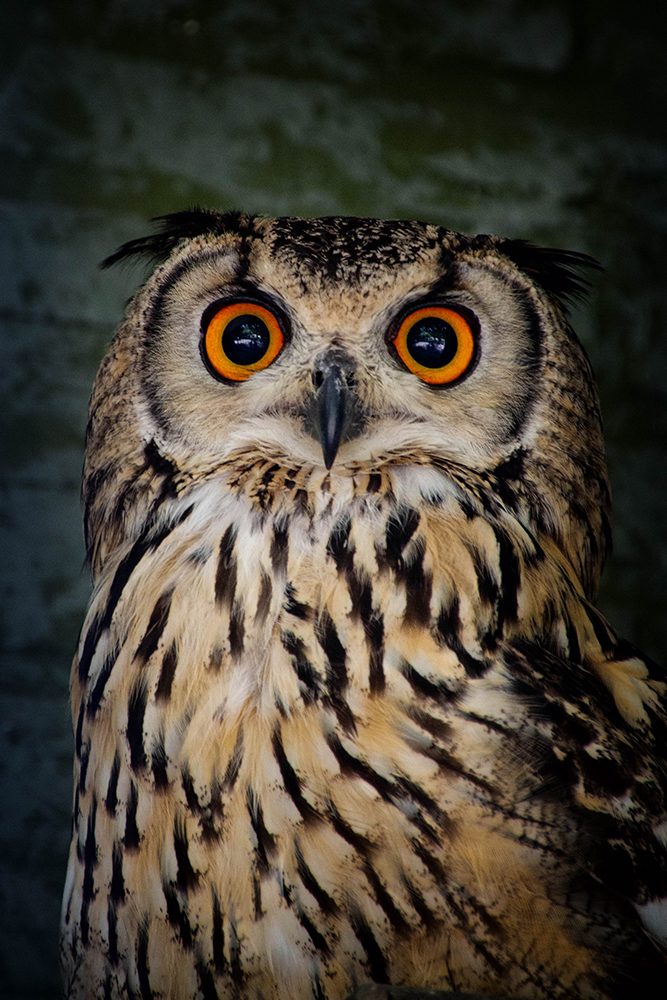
column 344, row 710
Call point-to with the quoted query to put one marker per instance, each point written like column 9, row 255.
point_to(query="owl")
column 344, row 710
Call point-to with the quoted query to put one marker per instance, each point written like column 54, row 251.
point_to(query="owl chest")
column 353, row 621
column 293, row 612
column 297, row 656
column 296, row 761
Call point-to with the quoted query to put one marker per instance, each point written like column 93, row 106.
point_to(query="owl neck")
column 272, row 552
column 122, row 505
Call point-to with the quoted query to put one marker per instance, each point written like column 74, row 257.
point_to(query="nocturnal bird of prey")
column 344, row 710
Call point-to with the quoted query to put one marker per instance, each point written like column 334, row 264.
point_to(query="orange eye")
column 435, row 343
column 240, row 339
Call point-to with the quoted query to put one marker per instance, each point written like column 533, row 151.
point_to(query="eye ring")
column 239, row 339
column 436, row 343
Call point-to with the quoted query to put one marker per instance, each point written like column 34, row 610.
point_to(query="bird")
column 346, row 718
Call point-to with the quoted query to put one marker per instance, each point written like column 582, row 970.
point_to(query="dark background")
column 530, row 119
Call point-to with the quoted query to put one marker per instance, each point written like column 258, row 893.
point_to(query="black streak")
column 97, row 693
column 159, row 764
column 418, row 587
column 377, row 963
column 510, row 579
column 111, row 800
column 234, row 764
column 290, row 779
column 311, row 930
column 186, row 877
column 302, row 666
column 336, row 675
column 131, row 838
column 266, row 842
column 294, row 607
column 78, row 734
column 279, row 548
column 384, row 900
column 206, row 981
column 352, row 765
column 157, row 462
column 136, row 710
column 360, row 843
column 264, row 599
column 90, row 863
column 574, row 652
column 142, row 962
column 338, row 546
column 156, row 626
column 117, row 888
column 236, row 629
column 326, row 903
column 169, row 664
column 189, row 789
column 85, row 757
column 400, row 529
column 448, row 626
column 602, row 633
column 417, row 793
column 177, row 916
column 361, row 595
column 426, row 915
column 423, row 686
column 113, row 934
column 235, row 957
column 257, row 897
column 436, row 727
column 219, row 960
column 432, row 865
column 225, row 578
column 486, row 584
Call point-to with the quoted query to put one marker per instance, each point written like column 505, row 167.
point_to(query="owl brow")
column 444, row 284
column 178, row 226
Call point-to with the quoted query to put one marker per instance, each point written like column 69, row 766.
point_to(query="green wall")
column 543, row 120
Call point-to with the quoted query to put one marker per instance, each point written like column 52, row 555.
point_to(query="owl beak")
column 331, row 399
column 334, row 413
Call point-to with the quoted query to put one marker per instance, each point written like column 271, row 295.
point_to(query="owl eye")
column 241, row 338
column 435, row 343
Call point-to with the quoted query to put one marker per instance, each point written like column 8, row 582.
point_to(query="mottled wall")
column 535, row 119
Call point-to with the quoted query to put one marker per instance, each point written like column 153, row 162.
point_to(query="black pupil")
column 246, row 339
column 432, row 342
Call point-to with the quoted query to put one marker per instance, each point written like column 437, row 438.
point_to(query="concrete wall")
column 542, row 119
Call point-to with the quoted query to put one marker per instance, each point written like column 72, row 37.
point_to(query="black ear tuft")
column 557, row 271
column 175, row 227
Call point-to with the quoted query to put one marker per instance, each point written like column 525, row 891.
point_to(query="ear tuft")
column 172, row 229
column 557, row 271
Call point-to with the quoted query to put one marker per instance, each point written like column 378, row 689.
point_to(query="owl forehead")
column 352, row 297
column 333, row 274
column 352, row 251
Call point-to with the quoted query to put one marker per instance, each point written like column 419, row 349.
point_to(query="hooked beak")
column 334, row 413
column 331, row 398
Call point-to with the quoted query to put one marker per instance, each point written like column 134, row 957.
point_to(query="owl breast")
column 310, row 767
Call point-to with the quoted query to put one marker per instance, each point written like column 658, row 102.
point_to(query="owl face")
column 244, row 356
column 353, row 345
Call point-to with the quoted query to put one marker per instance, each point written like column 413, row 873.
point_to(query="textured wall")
column 534, row 119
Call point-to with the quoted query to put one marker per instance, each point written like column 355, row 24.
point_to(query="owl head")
column 345, row 346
